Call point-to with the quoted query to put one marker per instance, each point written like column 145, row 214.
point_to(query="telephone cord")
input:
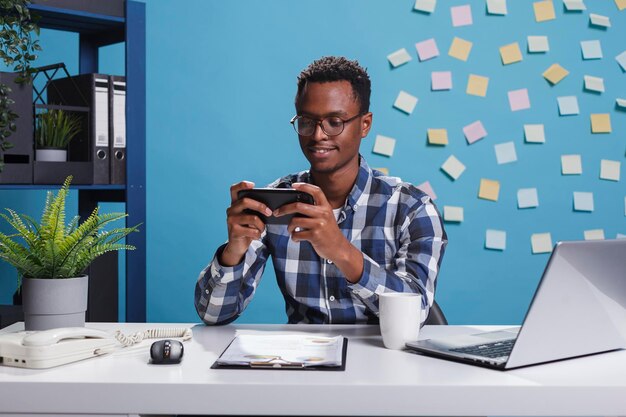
column 135, row 338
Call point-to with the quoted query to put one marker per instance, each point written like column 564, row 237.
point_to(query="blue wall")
column 220, row 85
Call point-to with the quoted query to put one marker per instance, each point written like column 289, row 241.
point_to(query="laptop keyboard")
column 497, row 349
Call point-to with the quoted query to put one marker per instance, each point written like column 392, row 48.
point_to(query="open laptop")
column 579, row 308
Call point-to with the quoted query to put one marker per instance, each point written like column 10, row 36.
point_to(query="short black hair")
column 334, row 68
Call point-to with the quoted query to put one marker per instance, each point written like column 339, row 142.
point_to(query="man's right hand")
column 243, row 228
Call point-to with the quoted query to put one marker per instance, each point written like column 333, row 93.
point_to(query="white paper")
column 541, row 242
column 538, row 44
column 505, row 153
column 527, row 198
column 599, row 20
column 405, row 102
column 427, row 6
column 496, row 7
column 399, row 57
column 574, row 5
column 495, row 239
column 583, row 201
column 595, row 234
column 610, row 170
column 534, row 133
column 571, row 165
column 453, row 167
column 384, row 145
column 594, row 83
column 453, row 213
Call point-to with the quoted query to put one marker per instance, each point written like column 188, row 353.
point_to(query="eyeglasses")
column 331, row 126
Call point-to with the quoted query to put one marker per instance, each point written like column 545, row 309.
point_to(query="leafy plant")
column 56, row 128
column 51, row 249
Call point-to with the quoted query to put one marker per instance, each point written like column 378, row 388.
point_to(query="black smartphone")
column 274, row 198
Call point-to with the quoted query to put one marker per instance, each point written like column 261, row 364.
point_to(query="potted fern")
column 51, row 258
column 54, row 131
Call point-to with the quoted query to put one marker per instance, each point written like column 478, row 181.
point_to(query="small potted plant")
column 54, row 131
column 51, row 258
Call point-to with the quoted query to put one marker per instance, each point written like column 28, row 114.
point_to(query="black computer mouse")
column 163, row 352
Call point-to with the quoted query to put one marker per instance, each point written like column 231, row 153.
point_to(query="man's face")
column 328, row 154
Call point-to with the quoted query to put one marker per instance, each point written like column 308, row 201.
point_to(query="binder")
column 92, row 144
column 117, row 129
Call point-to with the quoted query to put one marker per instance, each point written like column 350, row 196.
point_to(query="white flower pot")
column 51, row 155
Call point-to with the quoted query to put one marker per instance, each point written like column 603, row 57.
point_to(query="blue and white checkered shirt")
column 396, row 227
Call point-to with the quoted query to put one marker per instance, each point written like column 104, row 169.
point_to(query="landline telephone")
column 48, row 348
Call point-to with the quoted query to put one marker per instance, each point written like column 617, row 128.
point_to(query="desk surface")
column 377, row 381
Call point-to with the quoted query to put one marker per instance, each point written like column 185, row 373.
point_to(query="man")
column 365, row 234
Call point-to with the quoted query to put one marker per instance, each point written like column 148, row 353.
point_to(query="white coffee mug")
column 399, row 315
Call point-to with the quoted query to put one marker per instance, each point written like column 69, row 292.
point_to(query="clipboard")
column 279, row 364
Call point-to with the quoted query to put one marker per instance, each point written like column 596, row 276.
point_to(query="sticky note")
column 544, row 11
column 621, row 102
column 505, row 153
column 601, row 123
column 438, row 136
column 460, row 49
column 621, row 4
column 534, row 133
column 405, row 102
column 461, row 15
column 610, row 170
column 510, row 53
column 518, row 99
column 453, row 213
column 541, row 242
column 599, row 20
column 477, row 85
column 489, row 189
column 621, row 60
column 568, row 105
column 591, row 49
column 594, row 84
column 571, row 165
column 583, row 201
column 555, row 73
column 538, row 44
column 474, row 132
column 527, row 198
column 595, row 234
column 426, row 6
column 620, row 236
column 428, row 189
column 399, row 57
column 496, row 7
column 574, row 5
column 385, row 171
column 495, row 239
column 453, row 167
column 384, row 145
column 427, row 49
column 441, row 80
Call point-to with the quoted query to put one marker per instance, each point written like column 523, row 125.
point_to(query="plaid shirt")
column 396, row 227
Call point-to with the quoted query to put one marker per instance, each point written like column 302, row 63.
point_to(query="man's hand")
column 319, row 228
column 243, row 228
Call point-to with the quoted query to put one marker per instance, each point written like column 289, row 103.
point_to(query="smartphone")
column 274, row 198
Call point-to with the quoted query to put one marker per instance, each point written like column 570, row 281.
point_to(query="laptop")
column 579, row 308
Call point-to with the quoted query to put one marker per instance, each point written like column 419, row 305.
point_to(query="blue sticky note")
column 583, row 201
column 591, row 49
column 495, row 239
column 568, row 105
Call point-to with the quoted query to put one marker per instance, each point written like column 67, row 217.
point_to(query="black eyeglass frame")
column 320, row 123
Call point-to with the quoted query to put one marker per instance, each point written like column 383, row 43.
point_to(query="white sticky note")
column 426, row 6
column 621, row 60
column 594, row 234
column 496, row 7
column 594, row 83
column 583, row 201
column 574, row 5
column 568, row 105
column 505, row 153
column 591, row 49
column 541, row 242
column 495, row 239
column 599, row 20
column 453, row 213
column 538, row 44
column 428, row 189
column 399, row 57
column 610, row 170
column 453, row 167
column 405, row 102
column 384, row 145
column 534, row 133
column 427, row 49
column 620, row 236
column 527, row 198
column 621, row 102
column 571, row 165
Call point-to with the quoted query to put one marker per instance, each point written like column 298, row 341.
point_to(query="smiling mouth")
column 321, row 151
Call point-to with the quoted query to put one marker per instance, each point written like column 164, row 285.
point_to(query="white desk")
column 377, row 381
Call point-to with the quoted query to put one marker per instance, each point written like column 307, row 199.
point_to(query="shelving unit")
column 101, row 23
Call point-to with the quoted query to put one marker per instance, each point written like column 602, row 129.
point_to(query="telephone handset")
column 52, row 336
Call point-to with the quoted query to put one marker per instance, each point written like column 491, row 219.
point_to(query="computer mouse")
column 163, row 352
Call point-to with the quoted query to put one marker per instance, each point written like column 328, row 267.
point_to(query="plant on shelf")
column 18, row 48
column 51, row 258
column 55, row 129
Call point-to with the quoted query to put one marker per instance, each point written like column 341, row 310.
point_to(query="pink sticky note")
column 518, row 99
column 474, row 132
column 427, row 49
column 461, row 15
column 441, row 80
column 425, row 186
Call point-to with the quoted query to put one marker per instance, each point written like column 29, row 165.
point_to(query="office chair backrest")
column 436, row 316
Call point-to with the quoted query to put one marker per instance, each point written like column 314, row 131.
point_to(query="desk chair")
column 435, row 315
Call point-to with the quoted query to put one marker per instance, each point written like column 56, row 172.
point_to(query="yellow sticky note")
column 438, row 136
column 510, row 53
column 489, row 189
column 460, row 48
column 383, row 170
column 544, row 10
column 555, row 73
column 621, row 4
column 601, row 123
column 477, row 85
